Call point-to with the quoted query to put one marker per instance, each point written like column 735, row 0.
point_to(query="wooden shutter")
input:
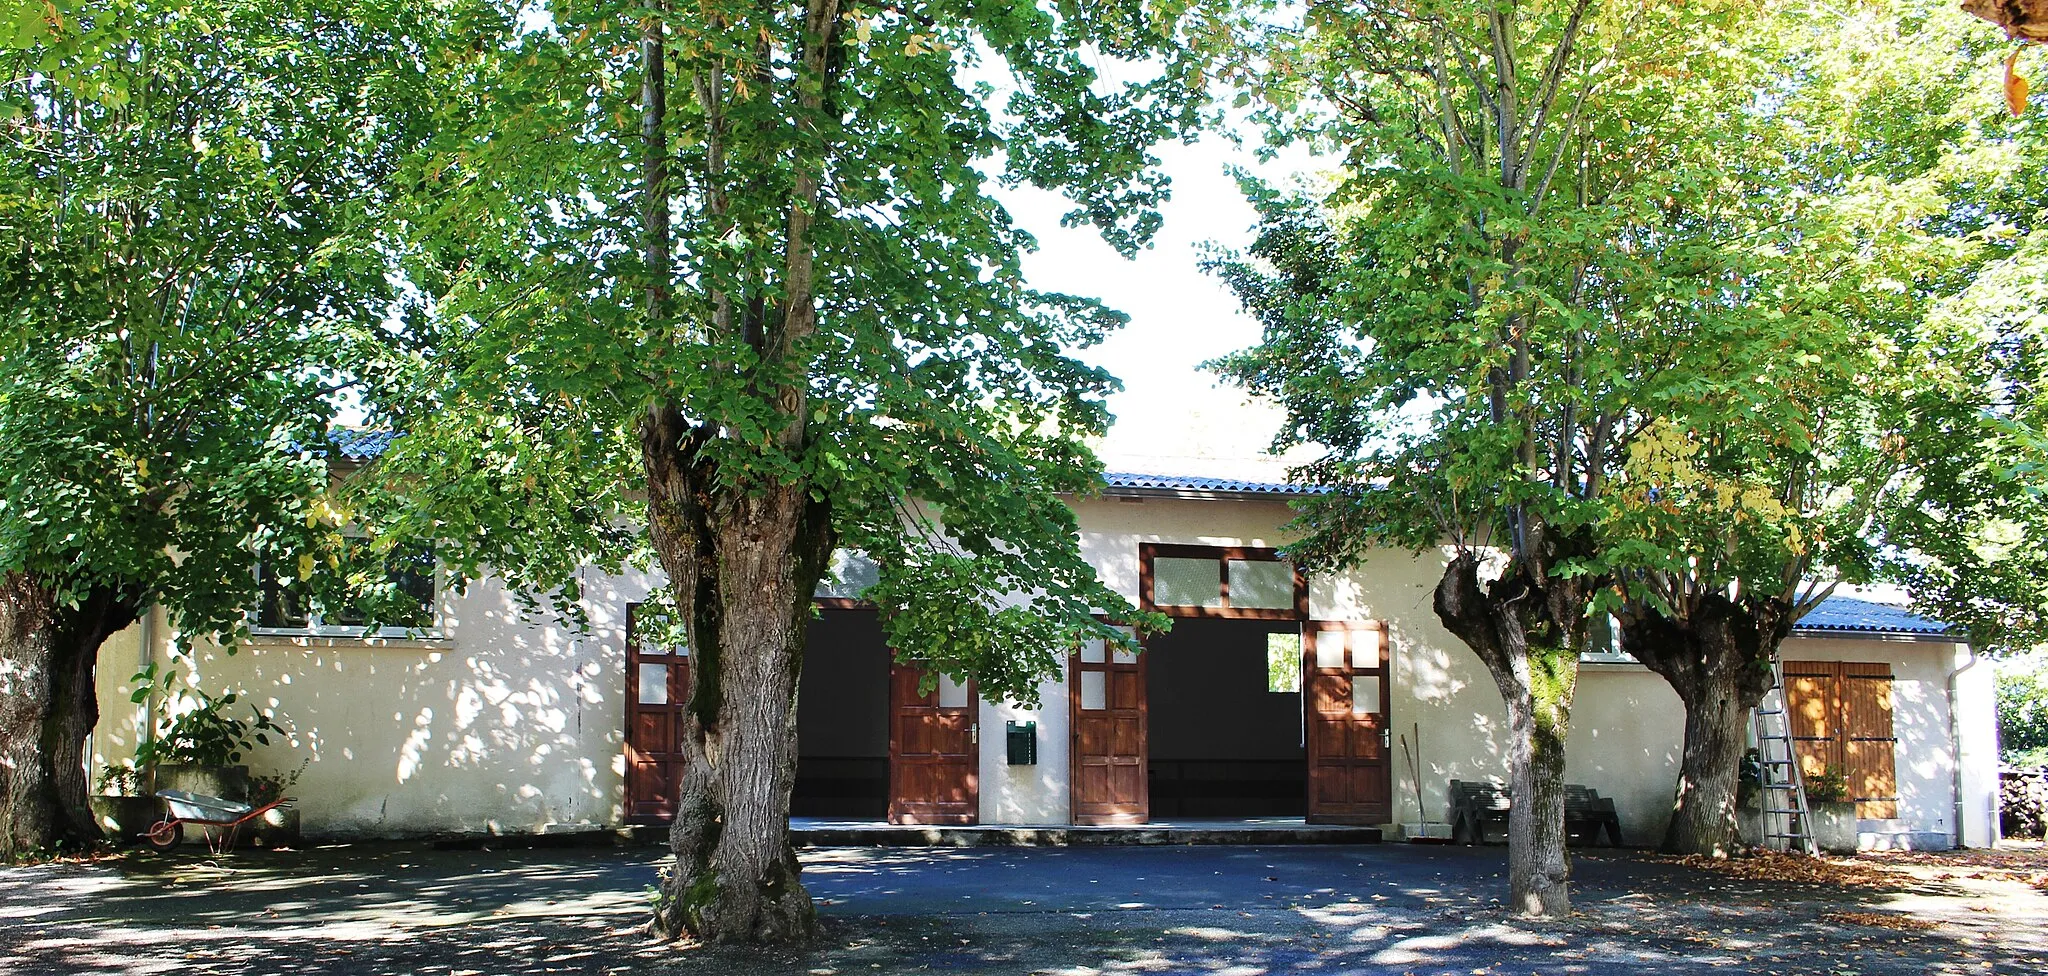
column 1841, row 718
column 1869, row 750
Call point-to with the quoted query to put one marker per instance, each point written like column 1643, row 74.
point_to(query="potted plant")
column 1749, row 788
column 200, row 749
column 1833, row 814
column 121, row 808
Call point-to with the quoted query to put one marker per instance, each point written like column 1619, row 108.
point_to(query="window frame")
column 316, row 626
column 1224, row 556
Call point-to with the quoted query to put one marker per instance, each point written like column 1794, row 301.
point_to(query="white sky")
column 1173, row 417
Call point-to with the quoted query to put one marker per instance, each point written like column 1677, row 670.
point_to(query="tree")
column 1966, row 530
column 2023, row 710
column 190, row 286
column 735, row 266
column 1499, row 296
column 1876, row 464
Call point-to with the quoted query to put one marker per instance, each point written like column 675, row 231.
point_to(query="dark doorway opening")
column 1225, row 726
column 842, row 719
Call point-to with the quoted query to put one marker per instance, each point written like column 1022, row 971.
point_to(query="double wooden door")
column 1841, row 720
column 1345, row 695
column 934, row 750
column 657, row 693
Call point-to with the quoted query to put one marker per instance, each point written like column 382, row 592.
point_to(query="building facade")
column 1334, row 697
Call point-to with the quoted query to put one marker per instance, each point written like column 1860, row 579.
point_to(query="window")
column 1205, row 581
column 402, row 602
column 1283, row 664
column 1603, row 643
column 847, row 576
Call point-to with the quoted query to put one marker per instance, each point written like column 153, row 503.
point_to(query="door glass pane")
column 952, row 694
column 1122, row 655
column 1261, row 585
column 1094, row 690
column 1329, row 648
column 1181, row 582
column 1092, row 651
column 653, row 684
column 1365, row 694
column 1283, row 663
column 1365, row 648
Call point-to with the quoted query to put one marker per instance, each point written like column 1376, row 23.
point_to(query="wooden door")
column 1841, row 719
column 657, row 692
column 1106, row 710
column 934, row 754
column 1350, row 779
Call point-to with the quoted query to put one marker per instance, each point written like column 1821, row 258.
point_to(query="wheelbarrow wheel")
column 164, row 835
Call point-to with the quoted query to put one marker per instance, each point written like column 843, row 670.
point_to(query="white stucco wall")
column 504, row 722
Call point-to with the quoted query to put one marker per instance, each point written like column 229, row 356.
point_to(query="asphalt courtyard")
column 1216, row 911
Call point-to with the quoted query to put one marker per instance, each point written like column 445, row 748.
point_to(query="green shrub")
column 2023, row 710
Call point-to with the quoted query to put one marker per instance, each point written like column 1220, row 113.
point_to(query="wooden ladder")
column 1787, row 821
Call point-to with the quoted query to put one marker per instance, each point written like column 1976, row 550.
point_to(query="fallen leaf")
column 2015, row 86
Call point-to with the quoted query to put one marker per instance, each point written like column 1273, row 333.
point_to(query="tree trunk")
column 48, row 707
column 1716, row 654
column 1703, row 809
column 744, row 564
column 1528, row 636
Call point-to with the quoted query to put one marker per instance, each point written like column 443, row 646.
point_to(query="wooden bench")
column 1475, row 806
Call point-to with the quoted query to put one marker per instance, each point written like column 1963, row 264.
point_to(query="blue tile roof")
column 1843, row 614
column 362, row 445
column 1237, row 486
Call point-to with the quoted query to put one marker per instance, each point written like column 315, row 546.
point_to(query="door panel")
column 934, row 759
column 1350, row 779
column 1868, row 748
column 657, row 693
column 1812, row 703
column 1106, row 705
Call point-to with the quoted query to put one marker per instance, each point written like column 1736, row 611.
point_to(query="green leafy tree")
column 734, row 269
column 189, row 287
column 1510, row 283
column 2023, row 710
column 1966, row 531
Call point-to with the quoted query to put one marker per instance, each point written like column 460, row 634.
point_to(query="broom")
column 1424, row 834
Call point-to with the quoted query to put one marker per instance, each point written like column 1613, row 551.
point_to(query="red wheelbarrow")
column 220, row 818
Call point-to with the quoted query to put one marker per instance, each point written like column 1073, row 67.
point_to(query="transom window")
column 1205, row 581
column 847, row 578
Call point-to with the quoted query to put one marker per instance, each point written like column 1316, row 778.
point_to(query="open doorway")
column 842, row 724
column 1225, row 729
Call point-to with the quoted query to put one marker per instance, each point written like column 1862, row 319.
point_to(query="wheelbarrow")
column 221, row 819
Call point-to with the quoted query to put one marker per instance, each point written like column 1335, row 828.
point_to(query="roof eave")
column 1905, row 636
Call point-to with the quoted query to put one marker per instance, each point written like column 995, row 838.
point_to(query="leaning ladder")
column 1786, row 820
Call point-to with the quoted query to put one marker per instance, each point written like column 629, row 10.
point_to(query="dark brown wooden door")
column 1841, row 719
column 1345, row 692
column 657, row 688
column 934, row 754
column 1106, row 709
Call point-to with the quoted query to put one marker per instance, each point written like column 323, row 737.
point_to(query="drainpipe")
column 145, row 715
column 1955, row 745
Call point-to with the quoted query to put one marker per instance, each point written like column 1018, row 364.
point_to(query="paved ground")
column 1389, row 908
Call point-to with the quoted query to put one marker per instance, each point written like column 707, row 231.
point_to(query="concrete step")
column 1903, row 840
